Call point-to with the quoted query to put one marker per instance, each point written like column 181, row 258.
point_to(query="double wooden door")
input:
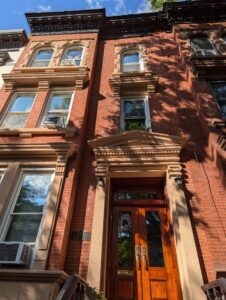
column 142, row 258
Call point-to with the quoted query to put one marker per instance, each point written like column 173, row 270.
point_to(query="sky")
column 12, row 11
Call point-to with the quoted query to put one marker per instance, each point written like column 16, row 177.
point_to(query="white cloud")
column 44, row 8
column 96, row 3
column 144, row 6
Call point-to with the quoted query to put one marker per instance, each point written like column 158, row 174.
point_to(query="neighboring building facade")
column 12, row 43
column 112, row 154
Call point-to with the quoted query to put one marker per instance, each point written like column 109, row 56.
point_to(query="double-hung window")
column 41, row 58
column 18, row 111
column 219, row 91
column 135, row 114
column 131, row 61
column 72, row 57
column 57, row 109
column 25, row 215
column 202, row 46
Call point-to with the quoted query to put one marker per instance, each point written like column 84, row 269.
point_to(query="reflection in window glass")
column 124, row 242
column 18, row 112
column 202, row 46
column 219, row 91
column 26, row 216
column 42, row 58
column 58, row 108
column 72, row 56
column 154, row 239
column 134, row 114
column 130, row 195
column 131, row 62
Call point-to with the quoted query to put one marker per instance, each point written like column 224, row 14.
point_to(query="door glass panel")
column 131, row 195
column 124, row 241
column 154, row 241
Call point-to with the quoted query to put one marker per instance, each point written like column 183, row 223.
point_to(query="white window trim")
column 203, row 50
column 7, row 216
column 34, row 55
column 65, row 54
column 10, row 104
column 46, row 107
column 141, row 63
column 146, row 111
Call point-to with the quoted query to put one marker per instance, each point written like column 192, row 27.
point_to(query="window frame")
column 215, row 98
column 10, row 104
column 2, row 173
column 194, row 51
column 4, row 227
column 65, row 54
column 146, row 111
column 47, row 105
column 31, row 61
column 141, row 63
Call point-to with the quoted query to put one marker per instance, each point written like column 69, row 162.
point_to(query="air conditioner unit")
column 13, row 253
column 68, row 62
column 52, row 121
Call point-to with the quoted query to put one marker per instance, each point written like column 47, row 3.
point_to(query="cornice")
column 209, row 68
column 133, row 80
column 128, row 25
column 44, row 77
column 12, row 39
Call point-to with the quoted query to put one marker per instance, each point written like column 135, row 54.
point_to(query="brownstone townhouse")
column 113, row 157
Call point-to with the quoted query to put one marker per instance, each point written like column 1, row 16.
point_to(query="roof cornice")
column 127, row 25
column 12, row 38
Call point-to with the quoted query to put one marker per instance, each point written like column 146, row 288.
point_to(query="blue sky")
column 12, row 11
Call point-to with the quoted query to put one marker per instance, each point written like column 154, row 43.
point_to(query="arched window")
column 41, row 58
column 72, row 56
column 203, row 46
column 131, row 61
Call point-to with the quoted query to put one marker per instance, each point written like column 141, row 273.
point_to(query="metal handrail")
column 216, row 290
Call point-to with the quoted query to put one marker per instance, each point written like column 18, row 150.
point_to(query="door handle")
column 144, row 257
column 137, row 257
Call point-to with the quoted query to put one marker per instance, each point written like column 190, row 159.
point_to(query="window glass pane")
column 60, row 102
column 134, row 108
column 154, row 240
column 131, row 58
column 23, row 228
column 33, row 193
column 219, row 90
column 130, row 195
column 74, row 53
column 14, row 120
column 23, row 103
column 202, row 43
column 124, row 243
column 44, row 55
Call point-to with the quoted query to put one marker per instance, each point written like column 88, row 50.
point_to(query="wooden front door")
column 142, row 261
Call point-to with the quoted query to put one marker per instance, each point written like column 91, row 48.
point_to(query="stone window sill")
column 30, row 132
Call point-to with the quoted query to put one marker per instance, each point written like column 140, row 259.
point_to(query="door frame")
column 160, row 202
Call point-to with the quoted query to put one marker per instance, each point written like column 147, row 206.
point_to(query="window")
column 26, row 212
column 18, row 111
column 41, row 58
column 202, row 46
column 57, row 109
column 131, row 61
column 1, row 174
column 219, row 91
column 135, row 114
column 72, row 57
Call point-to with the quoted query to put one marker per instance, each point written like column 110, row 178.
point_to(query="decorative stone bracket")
column 4, row 56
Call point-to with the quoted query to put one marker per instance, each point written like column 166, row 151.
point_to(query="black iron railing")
column 75, row 288
column 216, row 290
